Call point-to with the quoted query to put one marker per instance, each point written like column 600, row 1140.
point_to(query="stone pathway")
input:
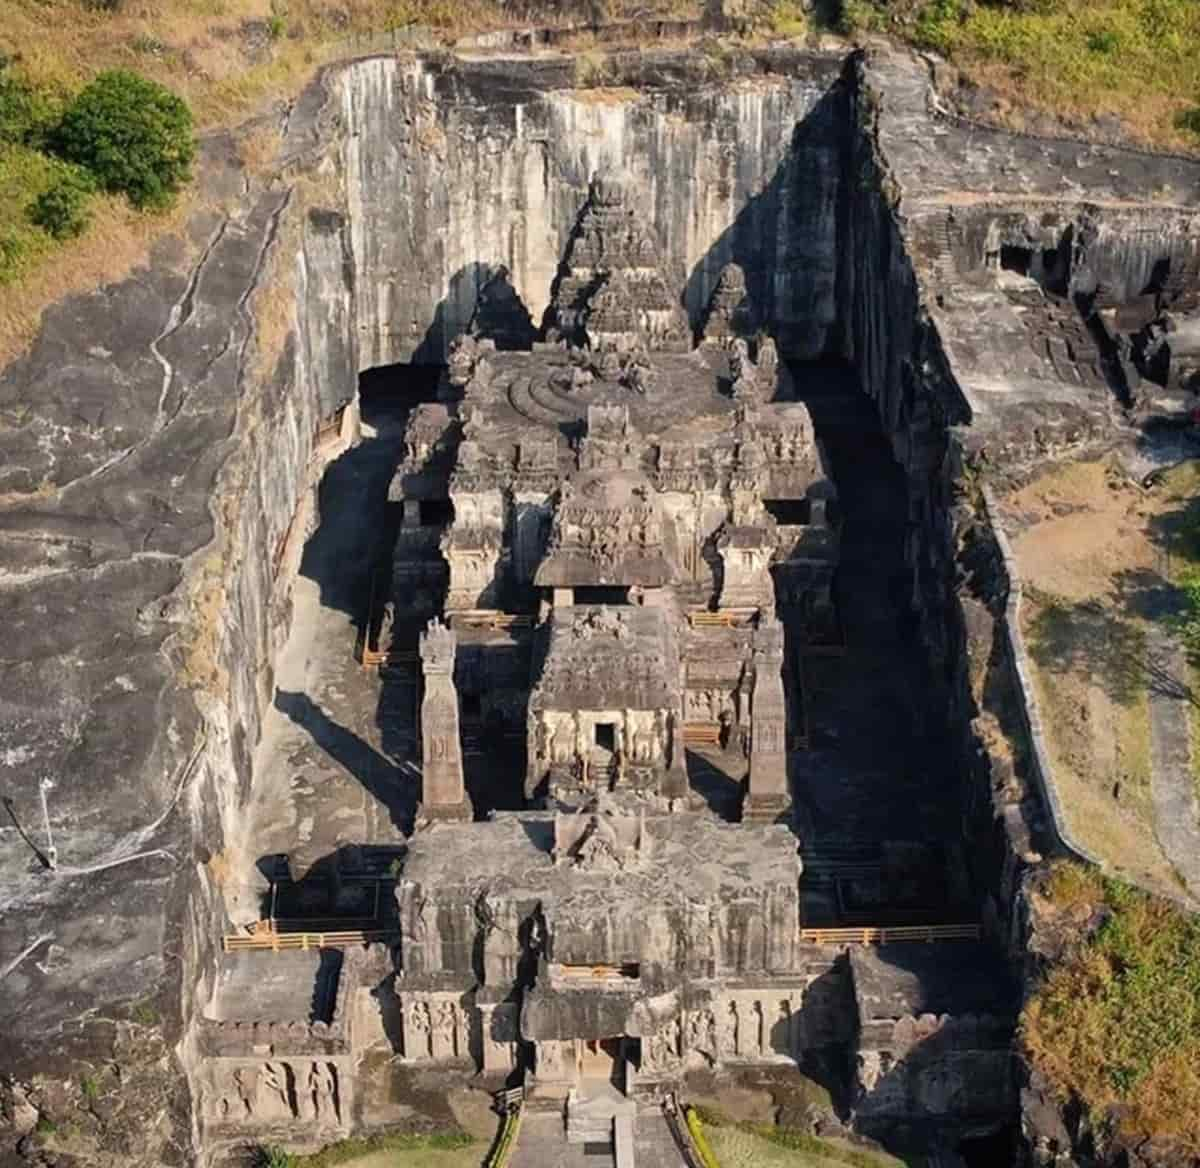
column 542, row 1143
column 1171, row 784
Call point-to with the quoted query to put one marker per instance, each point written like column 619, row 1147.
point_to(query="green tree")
column 133, row 134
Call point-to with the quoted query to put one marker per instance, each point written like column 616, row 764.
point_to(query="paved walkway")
column 542, row 1143
column 1171, row 783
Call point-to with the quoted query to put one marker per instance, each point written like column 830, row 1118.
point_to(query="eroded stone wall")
column 454, row 171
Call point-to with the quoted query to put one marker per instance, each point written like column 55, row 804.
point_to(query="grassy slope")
column 1137, row 59
column 1117, row 1021
column 399, row 1150
column 225, row 57
column 737, row 1147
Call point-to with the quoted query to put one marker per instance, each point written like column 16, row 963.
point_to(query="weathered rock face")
column 145, row 589
column 488, row 165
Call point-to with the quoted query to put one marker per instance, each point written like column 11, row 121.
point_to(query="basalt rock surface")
column 156, row 446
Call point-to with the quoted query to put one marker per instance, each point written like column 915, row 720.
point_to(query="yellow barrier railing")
column 277, row 942
column 507, row 1139
column 700, row 1144
column 486, row 618
column 702, row 733
column 882, row 935
column 723, row 618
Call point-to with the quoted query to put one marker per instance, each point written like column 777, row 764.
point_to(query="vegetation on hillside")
column 121, row 133
column 421, row 1150
column 765, row 1145
column 1136, row 59
column 132, row 134
column 1115, row 1023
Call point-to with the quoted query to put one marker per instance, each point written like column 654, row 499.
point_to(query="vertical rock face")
column 145, row 592
column 448, row 179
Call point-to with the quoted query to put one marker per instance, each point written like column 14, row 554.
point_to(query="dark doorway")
column 789, row 512
column 1016, row 259
column 595, row 594
column 436, row 512
column 606, row 736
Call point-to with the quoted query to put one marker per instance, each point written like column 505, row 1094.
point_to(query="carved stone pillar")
column 498, row 1031
column 443, row 793
column 768, row 797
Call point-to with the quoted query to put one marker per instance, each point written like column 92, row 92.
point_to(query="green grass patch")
column 25, row 176
column 348, row 1151
column 788, row 19
column 1116, row 1022
column 766, row 1145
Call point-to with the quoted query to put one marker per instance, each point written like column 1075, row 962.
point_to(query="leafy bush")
column 134, row 135
column 937, row 24
column 26, row 114
column 62, row 209
column 1189, row 120
column 1104, row 41
column 273, row 1157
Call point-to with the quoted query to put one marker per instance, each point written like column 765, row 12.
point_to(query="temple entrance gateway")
column 600, row 1059
column 606, row 736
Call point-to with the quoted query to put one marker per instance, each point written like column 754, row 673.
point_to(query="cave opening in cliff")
column 399, row 386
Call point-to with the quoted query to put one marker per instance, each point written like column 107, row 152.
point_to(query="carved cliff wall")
column 452, row 171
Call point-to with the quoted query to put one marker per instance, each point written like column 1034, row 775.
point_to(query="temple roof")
column 601, row 657
column 607, row 531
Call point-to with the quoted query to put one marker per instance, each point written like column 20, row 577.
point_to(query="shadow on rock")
column 381, row 779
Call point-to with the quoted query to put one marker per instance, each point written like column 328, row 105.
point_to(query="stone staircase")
column 592, row 1112
column 604, row 769
column 598, row 1131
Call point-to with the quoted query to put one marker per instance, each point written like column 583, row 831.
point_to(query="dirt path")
column 1176, row 822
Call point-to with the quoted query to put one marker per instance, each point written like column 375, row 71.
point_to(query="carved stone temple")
column 627, row 530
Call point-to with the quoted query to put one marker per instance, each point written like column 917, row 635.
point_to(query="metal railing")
column 487, row 618
column 702, row 733
column 277, row 942
column 723, row 618
column 885, row 934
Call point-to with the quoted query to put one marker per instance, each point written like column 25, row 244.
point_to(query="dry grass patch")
column 117, row 242
column 1090, row 553
column 220, row 55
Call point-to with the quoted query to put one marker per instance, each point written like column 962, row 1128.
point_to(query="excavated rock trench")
column 161, row 448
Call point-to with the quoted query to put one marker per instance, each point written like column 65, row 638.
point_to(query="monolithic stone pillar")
column 767, row 797
column 443, row 794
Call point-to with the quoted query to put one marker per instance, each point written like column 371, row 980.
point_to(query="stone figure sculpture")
column 731, row 1035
